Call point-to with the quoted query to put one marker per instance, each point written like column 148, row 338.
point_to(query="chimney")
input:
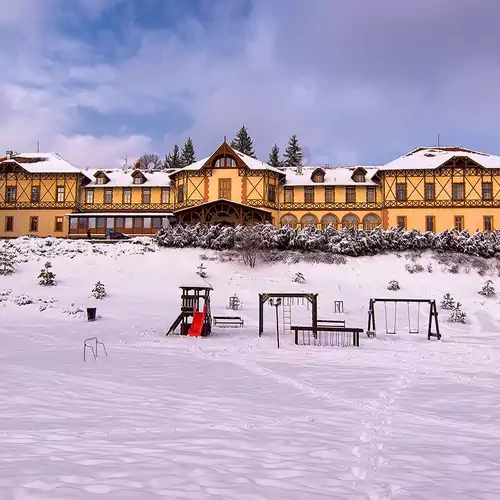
column 9, row 154
column 299, row 169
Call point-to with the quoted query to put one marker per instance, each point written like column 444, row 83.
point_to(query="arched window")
column 370, row 221
column 350, row 220
column 289, row 220
column 225, row 162
column 308, row 220
column 328, row 219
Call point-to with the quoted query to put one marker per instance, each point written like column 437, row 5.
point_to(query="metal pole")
column 277, row 327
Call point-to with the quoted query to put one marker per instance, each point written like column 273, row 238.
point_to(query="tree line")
column 242, row 142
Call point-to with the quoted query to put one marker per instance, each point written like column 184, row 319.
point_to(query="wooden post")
column 261, row 314
column 315, row 314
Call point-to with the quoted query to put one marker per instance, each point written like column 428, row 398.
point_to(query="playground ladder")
column 287, row 318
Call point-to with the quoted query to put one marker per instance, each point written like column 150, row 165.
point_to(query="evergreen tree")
column 448, row 302
column 187, row 155
column 99, row 291
column 488, row 289
column 274, row 157
column 7, row 265
column 457, row 315
column 173, row 159
column 243, row 142
column 293, row 153
column 393, row 285
column 46, row 276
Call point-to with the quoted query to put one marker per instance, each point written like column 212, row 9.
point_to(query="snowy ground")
column 230, row 416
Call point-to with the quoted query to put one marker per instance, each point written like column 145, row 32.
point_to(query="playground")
column 214, row 410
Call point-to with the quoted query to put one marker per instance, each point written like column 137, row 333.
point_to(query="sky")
column 359, row 82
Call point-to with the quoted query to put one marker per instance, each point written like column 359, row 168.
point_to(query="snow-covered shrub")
column 414, row 268
column 46, row 276
column 393, row 285
column 448, row 302
column 5, row 294
column 45, row 303
column 429, row 268
column 488, row 289
column 249, row 243
column 457, row 315
column 99, row 291
column 454, row 269
column 7, row 262
column 299, row 278
column 74, row 310
column 22, row 300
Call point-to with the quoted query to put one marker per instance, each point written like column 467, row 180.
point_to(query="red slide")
column 197, row 324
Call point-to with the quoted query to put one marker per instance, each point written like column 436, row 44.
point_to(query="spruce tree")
column 293, row 153
column 187, row 155
column 243, row 142
column 173, row 159
column 7, row 265
column 46, row 276
column 274, row 157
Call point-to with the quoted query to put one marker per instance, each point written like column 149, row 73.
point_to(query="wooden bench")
column 334, row 323
column 227, row 321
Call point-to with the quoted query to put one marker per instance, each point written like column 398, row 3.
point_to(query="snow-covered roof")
column 334, row 176
column 429, row 158
column 41, row 163
column 251, row 163
column 120, row 214
column 124, row 178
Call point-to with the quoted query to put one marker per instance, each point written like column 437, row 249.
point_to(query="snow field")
column 230, row 416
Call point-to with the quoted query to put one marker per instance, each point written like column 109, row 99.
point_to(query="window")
column 430, row 191
column 308, row 220
column 401, row 191
column 459, row 222
column 91, row 222
column 137, row 222
column 271, row 193
column 89, row 196
column 370, row 222
column 35, row 194
column 33, row 224
column 359, row 177
column 329, row 195
column 309, row 194
column 225, row 188
column 120, row 222
column 82, row 222
column 318, row 177
column 328, row 219
column 350, row 220
column 488, row 222
column 458, row 191
column 227, row 162
column 100, row 180
column 137, row 179
column 165, row 195
column 110, row 222
column 11, row 194
column 101, row 222
column 58, row 225
column 108, row 196
column 430, row 224
column 128, row 222
column 60, row 194
column 156, row 222
column 288, row 194
column 289, row 220
column 401, row 221
column 9, row 223
column 371, row 194
column 350, row 194
column 487, row 191
column 147, row 222
column 146, row 196
column 180, row 194
column 127, row 196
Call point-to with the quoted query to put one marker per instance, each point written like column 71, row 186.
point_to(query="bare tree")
column 249, row 243
column 150, row 161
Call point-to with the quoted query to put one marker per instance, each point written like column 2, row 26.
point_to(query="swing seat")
column 414, row 332
column 390, row 333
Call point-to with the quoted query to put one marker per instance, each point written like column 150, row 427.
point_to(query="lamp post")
column 276, row 303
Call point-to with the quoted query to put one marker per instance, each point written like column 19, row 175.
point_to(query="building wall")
column 136, row 198
column 46, row 222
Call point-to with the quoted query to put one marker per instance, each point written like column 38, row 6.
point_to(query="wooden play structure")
column 413, row 327
column 195, row 318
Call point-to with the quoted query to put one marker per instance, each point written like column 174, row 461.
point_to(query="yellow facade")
column 229, row 187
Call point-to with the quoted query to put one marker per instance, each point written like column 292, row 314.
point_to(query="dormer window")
column 138, row 177
column 101, row 178
column 137, row 180
column 225, row 162
column 359, row 175
column 318, row 175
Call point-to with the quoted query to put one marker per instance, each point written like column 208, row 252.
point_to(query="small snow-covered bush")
column 414, row 268
column 448, row 302
column 7, row 262
column 99, row 291
column 393, row 285
column 454, row 269
column 74, row 311
column 299, row 278
column 22, row 300
column 488, row 289
column 429, row 268
column 5, row 294
column 46, row 276
column 457, row 315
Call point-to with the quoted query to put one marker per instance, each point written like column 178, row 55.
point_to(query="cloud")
column 358, row 82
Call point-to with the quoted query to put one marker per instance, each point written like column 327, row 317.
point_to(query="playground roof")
column 196, row 287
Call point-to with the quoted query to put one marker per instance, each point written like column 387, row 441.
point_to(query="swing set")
column 413, row 326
